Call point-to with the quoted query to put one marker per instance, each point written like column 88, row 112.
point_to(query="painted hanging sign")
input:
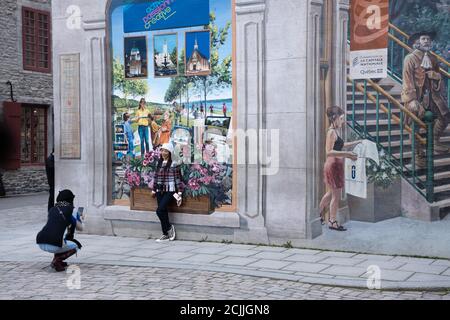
column 369, row 23
column 165, row 14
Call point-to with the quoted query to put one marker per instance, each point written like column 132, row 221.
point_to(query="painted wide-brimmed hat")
column 413, row 38
column 168, row 146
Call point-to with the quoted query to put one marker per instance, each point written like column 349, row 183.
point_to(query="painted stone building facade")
column 27, row 78
column 285, row 59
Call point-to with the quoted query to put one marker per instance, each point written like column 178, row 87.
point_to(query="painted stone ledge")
column 216, row 219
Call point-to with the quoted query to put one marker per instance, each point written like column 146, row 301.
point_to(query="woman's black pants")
column 164, row 199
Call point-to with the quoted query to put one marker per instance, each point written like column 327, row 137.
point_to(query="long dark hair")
column 169, row 162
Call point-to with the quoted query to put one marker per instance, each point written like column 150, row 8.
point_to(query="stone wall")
column 25, row 180
column 28, row 86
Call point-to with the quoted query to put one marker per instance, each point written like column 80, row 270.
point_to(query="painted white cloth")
column 426, row 62
column 355, row 171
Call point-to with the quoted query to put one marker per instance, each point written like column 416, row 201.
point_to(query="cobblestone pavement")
column 38, row 281
column 130, row 268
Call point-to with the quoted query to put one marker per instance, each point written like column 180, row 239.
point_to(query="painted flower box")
column 141, row 199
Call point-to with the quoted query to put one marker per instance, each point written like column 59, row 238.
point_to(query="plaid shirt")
column 168, row 180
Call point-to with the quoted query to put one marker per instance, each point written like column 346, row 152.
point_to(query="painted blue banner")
column 165, row 14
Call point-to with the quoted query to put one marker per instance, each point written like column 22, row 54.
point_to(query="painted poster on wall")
column 165, row 55
column 177, row 104
column 135, row 57
column 369, row 23
column 70, row 139
column 198, row 53
column 165, row 14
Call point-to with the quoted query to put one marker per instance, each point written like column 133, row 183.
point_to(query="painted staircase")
column 375, row 111
column 390, row 136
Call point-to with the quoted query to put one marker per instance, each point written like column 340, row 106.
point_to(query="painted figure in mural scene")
column 224, row 109
column 142, row 120
column 166, row 129
column 422, row 85
column 128, row 134
column 167, row 187
column 154, row 130
column 334, row 166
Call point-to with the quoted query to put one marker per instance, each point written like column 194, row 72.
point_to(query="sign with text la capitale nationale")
column 165, row 14
column 369, row 39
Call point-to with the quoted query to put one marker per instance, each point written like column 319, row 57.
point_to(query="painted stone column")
column 250, row 39
column 315, row 115
column 340, row 51
column 340, row 56
column 290, row 110
column 83, row 22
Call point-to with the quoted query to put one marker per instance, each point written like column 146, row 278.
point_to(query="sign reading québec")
column 165, row 14
column 369, row 23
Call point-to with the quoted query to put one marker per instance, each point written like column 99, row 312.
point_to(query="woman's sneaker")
column 163, row 238
column 172, row 233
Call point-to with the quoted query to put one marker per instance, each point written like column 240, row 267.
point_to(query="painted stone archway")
column 277, row 89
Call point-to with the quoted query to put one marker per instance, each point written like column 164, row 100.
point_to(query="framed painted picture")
column 165, row 55
column 135, row 57
column 198, row 53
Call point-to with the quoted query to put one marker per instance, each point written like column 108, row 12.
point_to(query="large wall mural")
column 172, row 82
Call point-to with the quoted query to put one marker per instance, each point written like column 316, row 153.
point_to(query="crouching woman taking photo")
column 51, row 237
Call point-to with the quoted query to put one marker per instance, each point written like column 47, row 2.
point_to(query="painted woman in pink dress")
column 333, row 172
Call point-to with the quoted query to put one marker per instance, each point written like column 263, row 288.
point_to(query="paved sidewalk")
column 35, row 280
column 18, row 228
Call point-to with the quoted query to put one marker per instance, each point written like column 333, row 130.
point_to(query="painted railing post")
column 389, row 129
column 353, row 103
column 365, row 108
column 378, row 117
column 429, row 119
column 401, row 138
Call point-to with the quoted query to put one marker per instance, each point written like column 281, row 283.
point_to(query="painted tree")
column 180, row 85
column 416, row 15
column 220, row 76
column 127, row 87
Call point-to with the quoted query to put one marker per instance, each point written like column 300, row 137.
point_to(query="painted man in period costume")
column 422, row 83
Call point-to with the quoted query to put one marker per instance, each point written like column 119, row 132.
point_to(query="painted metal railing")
column 399, row 48
column 420, row 132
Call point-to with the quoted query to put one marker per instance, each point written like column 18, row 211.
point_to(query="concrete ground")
column 131, row 268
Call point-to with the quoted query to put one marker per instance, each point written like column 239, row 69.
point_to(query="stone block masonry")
column 28, row 86
column 25, row 180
